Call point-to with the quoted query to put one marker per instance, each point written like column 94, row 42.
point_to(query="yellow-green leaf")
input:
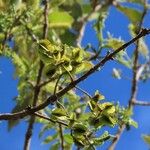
column 143, row 49
column 133, row 14
column 105, row 136
column 98, row 96
column 84, row 66
column 133, row 123
column 59, row 112
column 49, row 139
column 59, row 19
column 68, row 138
column 146, row 139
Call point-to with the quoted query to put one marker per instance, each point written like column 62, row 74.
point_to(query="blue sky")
column 114, row 90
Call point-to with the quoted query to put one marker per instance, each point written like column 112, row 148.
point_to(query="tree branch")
column 141, row 103
column 53, row 98
column 117, row 137
column 84, row 19
column 61, row 137
column 136, row 75
column 37, row 88
column 49, row 119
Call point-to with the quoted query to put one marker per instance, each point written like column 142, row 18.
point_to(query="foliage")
column 21, row 23
column 146, row 138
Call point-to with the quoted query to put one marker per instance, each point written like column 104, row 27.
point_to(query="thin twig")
column 91, row 145
column 34, row 37
column 47, row 81
column 136, row 73
column 56, row 85
column 49, row 119
column 83, row 91
column 71, row 78
column 61, row 137
column 53, row 98
column 117, row 137
column 141, row 103
column 85, row 18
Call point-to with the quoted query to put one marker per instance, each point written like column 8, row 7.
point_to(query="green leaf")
column 86, row 8
column 100, row 140
column 79, row 128
column 106, row 105
column 68, row 37
column 12, row 123
column 77, row 54
column 109, row 109
column 107, row 121
column 143, row 49
column 58, row 19
column 33, row 4
column 133, row 123
column 146, row 138
column 133, row 29
column 45, row 50
column 99, row 25
column 55, row 146
column 44, row 129
column 76, row 14
column 83, row 67
column 22, row 101
column 18, row 61
column 68, row 138
column 95, row 121
column 59, row 112
column 92, row 104
column 50, row 69
column 122, row 57
column 136, row 1
column 98, row 96
column 41, row 120
column 133, row 14
column 79, row 141
column 113, row 43
column 49, row 139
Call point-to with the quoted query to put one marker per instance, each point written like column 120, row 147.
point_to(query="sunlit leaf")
column 146, row 138
column 60, row 19
column 143, row 49
column 114, row 43
column 98, row 96
column 84, row 66
column 133, row 123
column 100, row 140
column 49, row 139
column 68, row 138
column 108, row 121
column 55, row 146
column 59, row 112
column 133, row 14
column 44, row 129
column 79, row 141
